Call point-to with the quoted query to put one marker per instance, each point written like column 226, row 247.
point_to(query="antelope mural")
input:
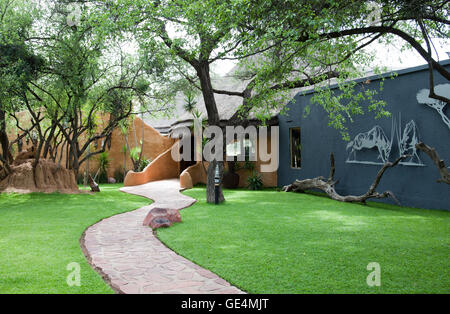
column 438, row 105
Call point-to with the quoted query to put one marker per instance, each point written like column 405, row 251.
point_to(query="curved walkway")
column 132, row 260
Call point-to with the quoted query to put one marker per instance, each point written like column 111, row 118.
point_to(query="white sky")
column 393, row 58
column 386, row 56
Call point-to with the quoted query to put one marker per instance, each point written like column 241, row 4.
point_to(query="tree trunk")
column 213, row 119
column 48, row 140
column 7, row 156
column 74, row 163
column 87, row 173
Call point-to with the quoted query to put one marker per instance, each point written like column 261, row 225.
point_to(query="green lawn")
column 276, row 242
column 262, row 242
column 39, row 237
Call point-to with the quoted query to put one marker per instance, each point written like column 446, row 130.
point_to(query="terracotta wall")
column 193, row 175
column 163, row 167
column 154, row 145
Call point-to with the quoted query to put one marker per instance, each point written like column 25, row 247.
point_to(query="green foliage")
column 255, row 181
column 103, row 164
column 135, row 152
column 19, row 63
column 119, row 175
column 289, row 44
column 103, row 161
column 190, row 102
column 90, row 81
column 18, row 66
column 144, row 163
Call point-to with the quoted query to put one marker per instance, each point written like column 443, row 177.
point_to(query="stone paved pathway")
column 132, row 260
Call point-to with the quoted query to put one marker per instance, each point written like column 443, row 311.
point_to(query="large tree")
column 190, row 35
column 90, row 83
column 283, row 45
column 18, row 66
column 336, row 34
column 71, row 78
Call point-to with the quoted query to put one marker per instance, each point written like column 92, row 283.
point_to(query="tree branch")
column 440, row 164
column 328, row 186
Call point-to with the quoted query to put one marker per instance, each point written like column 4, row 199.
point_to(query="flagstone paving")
column 131, row 258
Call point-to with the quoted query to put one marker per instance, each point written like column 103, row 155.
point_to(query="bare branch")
column 440, row 164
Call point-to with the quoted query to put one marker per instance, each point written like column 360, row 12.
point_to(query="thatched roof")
column 227, row 105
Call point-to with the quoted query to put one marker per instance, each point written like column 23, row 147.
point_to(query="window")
column 234, row 149
column 296, row 148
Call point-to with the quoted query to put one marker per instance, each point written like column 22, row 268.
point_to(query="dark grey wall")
column 414, row 186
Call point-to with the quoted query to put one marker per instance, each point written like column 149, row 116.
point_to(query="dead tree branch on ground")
column 328, row 186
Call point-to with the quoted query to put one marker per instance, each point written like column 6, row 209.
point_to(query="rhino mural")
column 374, row 138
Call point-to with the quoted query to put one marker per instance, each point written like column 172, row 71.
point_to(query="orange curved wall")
column 163, row 167
column 193, row 175
column 154, row 145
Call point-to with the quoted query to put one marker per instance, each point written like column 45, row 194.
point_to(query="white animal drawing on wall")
column 374, row 138
column 438, row 105
column 407, row 143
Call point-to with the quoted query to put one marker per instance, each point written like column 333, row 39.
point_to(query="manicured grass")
column 40, row 233
column 276, row 242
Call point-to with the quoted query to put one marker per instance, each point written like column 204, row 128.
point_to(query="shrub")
column 144, row 163
column 80, row 178
column 135, row 152
column 103, row 163
column 119, row 176
column 102, row 177
column 255, row 181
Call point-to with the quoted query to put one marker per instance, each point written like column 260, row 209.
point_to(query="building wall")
column 196, row 173
column 162, row 168
column 154, row 145
column 413, row 184
column 269, row 179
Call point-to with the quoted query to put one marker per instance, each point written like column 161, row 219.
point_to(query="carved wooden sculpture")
column 94, row 186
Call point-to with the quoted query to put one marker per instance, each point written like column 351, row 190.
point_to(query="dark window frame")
column 291, row 153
